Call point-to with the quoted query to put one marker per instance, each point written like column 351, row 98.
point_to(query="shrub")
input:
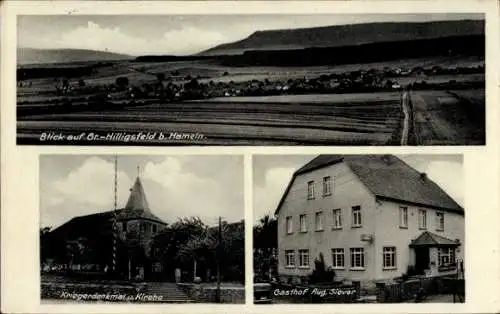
column 121, row 82
column 321, row 273
column 410, row 272
column 160, row 77
column 192, row 84
column 81, row 83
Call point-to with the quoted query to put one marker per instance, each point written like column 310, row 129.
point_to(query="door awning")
column 429, row 239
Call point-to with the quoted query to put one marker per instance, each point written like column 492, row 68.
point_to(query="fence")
column 207, row 294
column 417, row 289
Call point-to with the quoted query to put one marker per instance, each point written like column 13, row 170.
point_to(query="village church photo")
column 127, row 229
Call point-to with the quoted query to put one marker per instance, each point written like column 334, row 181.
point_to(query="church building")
column 95, row 244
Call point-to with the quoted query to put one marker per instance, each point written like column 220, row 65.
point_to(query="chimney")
column 423, row 176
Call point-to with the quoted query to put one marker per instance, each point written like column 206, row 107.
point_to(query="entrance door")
column 421, row 259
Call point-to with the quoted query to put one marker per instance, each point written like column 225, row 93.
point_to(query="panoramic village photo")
column 358, row 229
column 318, row 79
column 139, row 229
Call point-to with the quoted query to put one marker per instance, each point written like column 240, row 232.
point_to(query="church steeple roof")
column 137, row 199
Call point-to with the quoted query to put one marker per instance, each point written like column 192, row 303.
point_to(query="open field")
column 314, row 98
column 372, row 121
column 328, row 118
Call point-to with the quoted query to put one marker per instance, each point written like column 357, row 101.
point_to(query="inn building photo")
column 388, row 228
column 122, row 229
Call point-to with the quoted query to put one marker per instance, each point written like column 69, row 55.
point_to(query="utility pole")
column 115, row 231
column 218, row 256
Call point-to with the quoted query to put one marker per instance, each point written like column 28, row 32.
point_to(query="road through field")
column 406, row 117
column 442, row 119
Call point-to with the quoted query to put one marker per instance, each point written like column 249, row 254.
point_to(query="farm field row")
column 313, row 98
column 238, row 123
column 192, row 67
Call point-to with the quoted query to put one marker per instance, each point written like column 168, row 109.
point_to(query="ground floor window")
column 303, row 258
column 338, row 258
column 389, row 257
column 446, row 257
column 357, row 258
column 290, row 258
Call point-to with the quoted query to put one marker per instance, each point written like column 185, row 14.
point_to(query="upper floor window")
column 357, row 257
column 310, row 190
column 337, row 218
column 389, row 257
column 289, row 258
column 356, row 216
column 155, row 228
column 338, row 258
column 403, row 217
column 327, row 186
column 422, row 219
column 319, row 221
column 289, row 225
column 303, row 223
column 303, row 258
column 439, row 221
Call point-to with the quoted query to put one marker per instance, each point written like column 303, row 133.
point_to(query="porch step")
column 367, row 299
column 168, row 291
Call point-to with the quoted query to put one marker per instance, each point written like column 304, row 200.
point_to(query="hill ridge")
column 28, row 55
column 346, row 35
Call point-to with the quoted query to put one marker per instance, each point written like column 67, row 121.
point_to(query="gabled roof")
column 388, row 178
column 430, row 239
column 136, row 208
column 128, row 214
column 103, row 219
column 137, row 199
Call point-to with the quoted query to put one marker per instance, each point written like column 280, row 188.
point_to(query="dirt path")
column 431, row 125
column 406, row 118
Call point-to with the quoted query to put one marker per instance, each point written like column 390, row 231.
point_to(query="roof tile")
column 387, row 177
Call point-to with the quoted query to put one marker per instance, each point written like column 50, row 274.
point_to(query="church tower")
column 137, row 199
column 136, row 220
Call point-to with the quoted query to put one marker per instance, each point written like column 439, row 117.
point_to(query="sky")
column 178, row 34
column 272, row 173
column 175, row 186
